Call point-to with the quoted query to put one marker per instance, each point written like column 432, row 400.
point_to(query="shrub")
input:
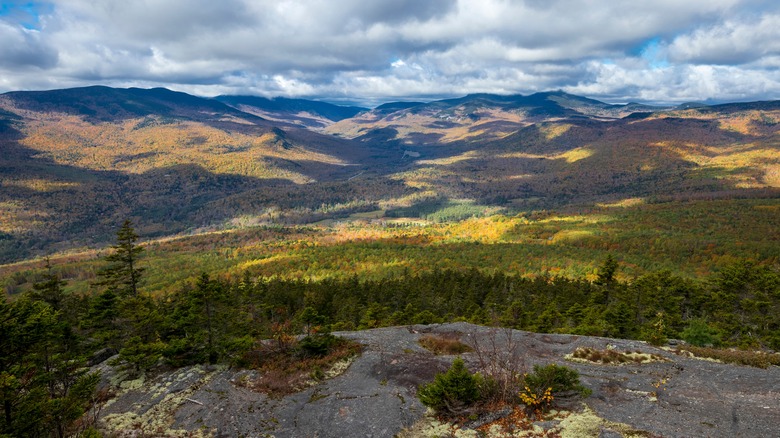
column 501, row 359
column 700, row 334
column 546, row 383
column 317, row 345
column 286, row 371
column 656, row 334
column 452, row 392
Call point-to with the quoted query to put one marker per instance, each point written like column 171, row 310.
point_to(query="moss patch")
column 587, row 424
column 157, row 420
column 612, row 357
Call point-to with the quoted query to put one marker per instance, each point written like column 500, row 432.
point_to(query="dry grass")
column 612, row 357
column 285, row 371
column 758, row 359
column 444, row 345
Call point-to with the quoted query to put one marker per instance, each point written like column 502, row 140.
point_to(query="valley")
column 177, row 164
column 150, row 234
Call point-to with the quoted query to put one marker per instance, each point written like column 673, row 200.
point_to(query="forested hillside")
column 171, row 230
column 49, row 335
column 176, row 163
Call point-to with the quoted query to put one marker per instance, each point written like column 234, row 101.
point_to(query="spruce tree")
column 50, row 289
column 123, row 274
column 607, row 271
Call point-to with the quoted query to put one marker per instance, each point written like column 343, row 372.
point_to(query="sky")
column 374, row 51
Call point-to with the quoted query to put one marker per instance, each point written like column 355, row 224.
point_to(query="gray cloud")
column 21, row 48
column 664, row 50
column 731, row 42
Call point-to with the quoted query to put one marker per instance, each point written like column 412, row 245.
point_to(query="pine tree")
column 607, row 271
column 50, row 289
column 123, row 274
column 113, row 311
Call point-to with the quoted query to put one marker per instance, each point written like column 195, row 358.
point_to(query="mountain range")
column 75, row 163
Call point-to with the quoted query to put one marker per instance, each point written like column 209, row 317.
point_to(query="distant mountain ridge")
column 75, row 162
column 100, row 103
column 286, row 105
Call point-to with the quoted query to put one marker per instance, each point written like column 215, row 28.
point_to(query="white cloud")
column 664, row 50
column 22, row 48
column 731, row 42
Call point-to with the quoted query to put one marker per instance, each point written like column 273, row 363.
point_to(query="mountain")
column 104, row 104
column 478, row 116
column 75, row 163
column 396, row 106
column 308, row 113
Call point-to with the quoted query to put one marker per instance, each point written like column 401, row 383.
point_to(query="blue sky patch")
column 26, row 14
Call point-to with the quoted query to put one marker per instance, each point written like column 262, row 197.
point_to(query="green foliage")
column 453, row 391
column 318, row 344
column 311, row 320
column 699, row 333
column 50, row 289
column 91, row 432
column 746, row 304
column 141, row 356
column 44, row 387
column 123, row 275
column 198, row 324
column 656, row 334
column 556, row 380
column 607, row 271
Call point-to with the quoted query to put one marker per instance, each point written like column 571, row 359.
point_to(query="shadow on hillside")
column 539, row 167
column 532, row 169
column 105, row 104
column 53, row 206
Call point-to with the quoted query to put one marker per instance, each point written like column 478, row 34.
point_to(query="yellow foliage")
column 40, row 185
column 537, row 402
column 134, row 147
column 575, row 155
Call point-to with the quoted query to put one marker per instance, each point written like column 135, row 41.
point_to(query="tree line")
column 49, row 338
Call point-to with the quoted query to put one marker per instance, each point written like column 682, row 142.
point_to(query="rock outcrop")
column 375, row 397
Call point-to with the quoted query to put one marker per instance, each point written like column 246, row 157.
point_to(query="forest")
column 253, row 241
column 50, row 336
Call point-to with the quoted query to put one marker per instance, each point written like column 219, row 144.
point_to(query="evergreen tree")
column 50, row 289
column 606, row 278
column 44, row 384
column 607, row 271
column 123, row 275
column 198, row 323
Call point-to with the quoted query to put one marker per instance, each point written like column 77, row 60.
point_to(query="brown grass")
column 613, row 357
column 444, row 345
column 758, row 359
column 285, row 371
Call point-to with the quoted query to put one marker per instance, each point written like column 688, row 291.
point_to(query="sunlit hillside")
column 692, row 238
column 76, row 163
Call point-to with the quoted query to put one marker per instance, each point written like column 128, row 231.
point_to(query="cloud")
column 731, row 42
column 22, row 48
column 674, row 84
column 384, row 50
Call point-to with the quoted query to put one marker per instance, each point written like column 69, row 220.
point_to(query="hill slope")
column 307, row 113
column 75, row 163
